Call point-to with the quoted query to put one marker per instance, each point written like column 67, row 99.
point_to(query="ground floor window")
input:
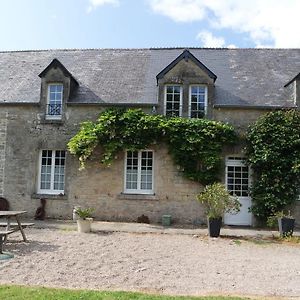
column 52, row 171
column 139, row 172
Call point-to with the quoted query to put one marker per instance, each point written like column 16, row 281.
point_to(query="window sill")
column 124, row 196
column 52, row 121
column 49, row 196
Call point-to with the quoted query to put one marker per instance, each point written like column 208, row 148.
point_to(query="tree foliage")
column 273, row 151
column 195, row 144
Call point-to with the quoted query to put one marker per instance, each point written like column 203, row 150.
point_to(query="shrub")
column 217, row 201
column 273, row 151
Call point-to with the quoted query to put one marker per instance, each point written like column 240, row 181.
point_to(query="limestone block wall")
column 3, row 131
column 23, row 134
column 96, row 186
column 102, row 188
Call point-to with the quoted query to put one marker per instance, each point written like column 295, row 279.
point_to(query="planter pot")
column 214, row 226
column 166, row 220
column 84, row 225
column 286, row 226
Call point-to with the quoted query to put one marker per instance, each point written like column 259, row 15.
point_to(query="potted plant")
column 286, row 223
column 85, row 219
column 217, row 201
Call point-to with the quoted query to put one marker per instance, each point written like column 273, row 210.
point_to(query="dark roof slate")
column 246, row 77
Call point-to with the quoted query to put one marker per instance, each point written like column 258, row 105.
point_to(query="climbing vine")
column 195, row 144
column 273, row 151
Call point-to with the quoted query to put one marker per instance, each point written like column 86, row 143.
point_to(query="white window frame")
column 237, row 161
column 139, row 190
column 205, row 99
column 50, row 191
column 165, row 98
column 54, row 117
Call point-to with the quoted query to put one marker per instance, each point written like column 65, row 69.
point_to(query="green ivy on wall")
column 195, row 144
column 273, row 151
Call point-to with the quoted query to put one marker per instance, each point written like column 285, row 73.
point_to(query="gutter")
column 261, row 107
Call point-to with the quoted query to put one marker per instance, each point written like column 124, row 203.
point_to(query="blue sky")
column 48, row 24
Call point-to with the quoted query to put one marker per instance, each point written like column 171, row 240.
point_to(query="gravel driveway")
column 159, row 263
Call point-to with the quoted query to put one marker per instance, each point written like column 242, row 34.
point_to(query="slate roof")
column 245, row 77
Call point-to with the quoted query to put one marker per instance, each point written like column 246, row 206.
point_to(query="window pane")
column 169, row 89
column 173, row 100
column 55, row 97
column 177, row 89
column 139, row 171
column 197, row 101
column 52, row 161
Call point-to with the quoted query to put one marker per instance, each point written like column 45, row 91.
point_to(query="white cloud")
column 208, row 40
column 266, row 22
column 232, row 46
column 180, row 10
column 96, row 3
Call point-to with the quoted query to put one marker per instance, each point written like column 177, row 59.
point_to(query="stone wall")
column 23, row 134
column 3, row 131
column 96, row 186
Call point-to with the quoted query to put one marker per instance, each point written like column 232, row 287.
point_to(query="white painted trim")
column 139, row 190
column 54, row 117
column 205, row 99
column 165, row 98
column 50, row 191
column 239, row 162
column 295, row 92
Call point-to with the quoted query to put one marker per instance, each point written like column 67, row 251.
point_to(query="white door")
column 237, row 180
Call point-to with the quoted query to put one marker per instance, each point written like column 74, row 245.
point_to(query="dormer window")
column 197, row 101
column 54, row 101
column 173, row 100
column 58, row 86
column 186, row 88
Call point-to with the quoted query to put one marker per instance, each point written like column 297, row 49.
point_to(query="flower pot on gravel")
column 214, row 226
column 217, row 201
column 84, row 225
column 286, row 226
column 85, row 219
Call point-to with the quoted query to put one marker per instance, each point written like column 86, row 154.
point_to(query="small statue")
column 4, row 205
column 40, row 212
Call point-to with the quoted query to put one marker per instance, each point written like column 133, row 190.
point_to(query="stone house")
column 45, row 95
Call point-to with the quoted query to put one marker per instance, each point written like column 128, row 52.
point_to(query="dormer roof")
column 55, row 63
column 186, row 55
column 292, row 80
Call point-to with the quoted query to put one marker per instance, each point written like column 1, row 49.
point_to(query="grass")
column 260, row 240
column 13, row 292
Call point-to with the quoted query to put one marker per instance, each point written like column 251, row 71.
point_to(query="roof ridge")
column 132, row 49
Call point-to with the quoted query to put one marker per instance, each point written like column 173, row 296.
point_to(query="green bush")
column 217, row 201
column 273, row 151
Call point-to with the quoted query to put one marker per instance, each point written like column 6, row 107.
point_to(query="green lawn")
column 11, row 292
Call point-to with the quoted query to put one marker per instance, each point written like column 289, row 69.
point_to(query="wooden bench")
column 3, row 236
column 23, row 224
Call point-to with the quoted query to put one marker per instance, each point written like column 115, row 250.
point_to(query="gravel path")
column 159, row 263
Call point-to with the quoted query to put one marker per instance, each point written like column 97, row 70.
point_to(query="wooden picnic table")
column 13, row 214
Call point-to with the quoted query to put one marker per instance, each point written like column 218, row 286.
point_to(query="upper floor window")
column 52, row 172
column 54, row 101
column 197, row 101
column 173, row 100
column 139, row 172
